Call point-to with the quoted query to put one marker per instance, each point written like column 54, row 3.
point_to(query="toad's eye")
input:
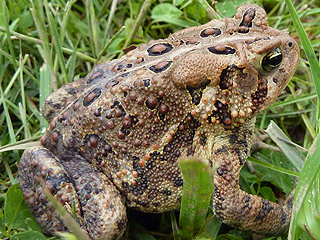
column 272, row 59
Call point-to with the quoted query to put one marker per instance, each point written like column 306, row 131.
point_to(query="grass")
column 44, row 45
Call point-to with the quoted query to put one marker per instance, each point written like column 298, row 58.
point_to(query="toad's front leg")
column 234, row 206
column 83, row 191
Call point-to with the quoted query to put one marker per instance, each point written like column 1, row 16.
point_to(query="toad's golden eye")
column 272, row 59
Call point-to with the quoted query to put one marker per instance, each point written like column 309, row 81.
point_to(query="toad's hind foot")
column 258, row 215
column 97, row 204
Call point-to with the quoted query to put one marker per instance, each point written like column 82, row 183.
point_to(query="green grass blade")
column 291, row 151
column 113, row 9
column 175, row 228
column 211, row 228
column 57, row 44
column 273, row 167
column 11, row 134
column 67, row 219
column 65, row 18
column 39, row 42
column 114, row 37
column 143, row 10
column 197, row 190
column 6, row 22
column 210, row 10
column 36, row 12
column 304, row 116
column 305, row 214
column 12, row 81
column 22, row 106
column 299, row 99
column 93, row 27
column 313, row 61
column 45, row 90
column 21, row 145
column 71, row 65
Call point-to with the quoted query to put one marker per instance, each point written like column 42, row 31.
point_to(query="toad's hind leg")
column 236, row 207
column 83, row 191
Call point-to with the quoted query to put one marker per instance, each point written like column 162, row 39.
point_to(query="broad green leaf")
column 34, row 235
column 180, row 2
column 229, row 8
column 16, row 210
column 267, row 193
column 275, row 168
column 196, row 10
column 26, row 20
column 197, row 191
column 168, row 13
column 33, row 225
column 165, row 10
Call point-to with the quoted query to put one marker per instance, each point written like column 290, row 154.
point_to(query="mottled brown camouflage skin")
column 115, row 137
